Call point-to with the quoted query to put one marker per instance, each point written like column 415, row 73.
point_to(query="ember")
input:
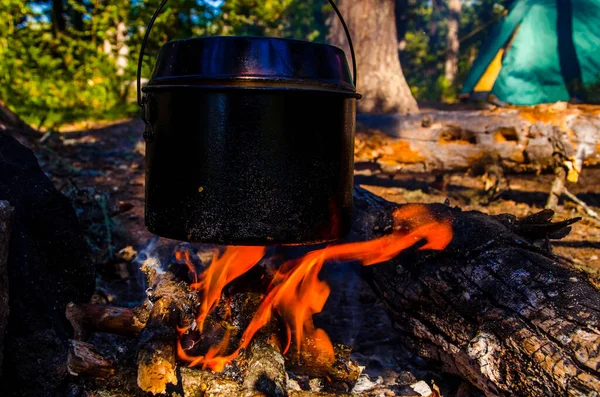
column 296, row 293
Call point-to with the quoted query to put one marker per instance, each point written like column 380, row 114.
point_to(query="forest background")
column 62, row 61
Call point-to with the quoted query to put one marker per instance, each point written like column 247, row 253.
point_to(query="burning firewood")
column 170, row 301
column 344, row 371
column 84, row 360
column 266, row 371
column 88, row 318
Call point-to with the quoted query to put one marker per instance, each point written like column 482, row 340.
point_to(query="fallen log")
column 507, row 316
column 522, row 139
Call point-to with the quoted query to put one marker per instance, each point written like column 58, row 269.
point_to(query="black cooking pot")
column 249, row 140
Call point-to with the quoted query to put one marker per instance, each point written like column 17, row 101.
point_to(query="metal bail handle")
column 161, row 6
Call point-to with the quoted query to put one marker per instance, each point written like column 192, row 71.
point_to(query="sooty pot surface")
column 250, row 166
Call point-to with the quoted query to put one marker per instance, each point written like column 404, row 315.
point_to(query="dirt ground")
column 110, row 158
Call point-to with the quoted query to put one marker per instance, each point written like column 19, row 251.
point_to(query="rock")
column 422, row 388
column 48, row 267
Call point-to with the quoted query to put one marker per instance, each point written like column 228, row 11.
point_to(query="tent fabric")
column 553, row 56
column 487, row 81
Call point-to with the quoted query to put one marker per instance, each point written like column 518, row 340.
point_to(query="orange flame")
column 296, row 292
column 233, row 263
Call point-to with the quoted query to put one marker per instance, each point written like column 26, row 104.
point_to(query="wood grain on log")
column 456, row 140
column 505, row 315
column 170, row 300
column 88, row 318
column 266, row 371
column 6, row 213
column 84, row 360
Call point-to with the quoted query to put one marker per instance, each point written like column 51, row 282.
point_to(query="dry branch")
column 266, row 371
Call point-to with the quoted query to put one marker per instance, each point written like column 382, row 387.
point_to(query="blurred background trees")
column 66, row 60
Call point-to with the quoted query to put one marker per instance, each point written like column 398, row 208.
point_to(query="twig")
column 588, row 211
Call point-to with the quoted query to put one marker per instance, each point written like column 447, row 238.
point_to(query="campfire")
column 239, row 319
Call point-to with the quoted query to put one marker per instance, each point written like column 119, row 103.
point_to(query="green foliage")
column 86, row 69
column 67, row 60
column 52, row 77
column 279, row 18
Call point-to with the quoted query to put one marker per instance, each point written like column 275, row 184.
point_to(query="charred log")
column 507, row 316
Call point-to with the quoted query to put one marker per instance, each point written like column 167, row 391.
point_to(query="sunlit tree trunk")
column 115, row 46
column 372, row 24
column 452, row 43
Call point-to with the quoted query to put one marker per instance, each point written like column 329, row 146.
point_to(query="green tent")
column 542, row 51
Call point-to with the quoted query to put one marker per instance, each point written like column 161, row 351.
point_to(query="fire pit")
column 257, row 337
column 249, row 144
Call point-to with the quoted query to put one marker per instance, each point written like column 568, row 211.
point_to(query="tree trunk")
column 452, row 43
column 372, row 24
column 433, row 24
column 75, row 16
column 122, row 48
column 59, row 23
column 510, row 318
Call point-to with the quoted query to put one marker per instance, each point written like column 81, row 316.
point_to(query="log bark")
column 507, row 316
column 84, row 360
column 372, row 24
column 6, row 212
column 87, row 318
column 170, row 301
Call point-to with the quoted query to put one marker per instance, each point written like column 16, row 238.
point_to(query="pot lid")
column 242, row 61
